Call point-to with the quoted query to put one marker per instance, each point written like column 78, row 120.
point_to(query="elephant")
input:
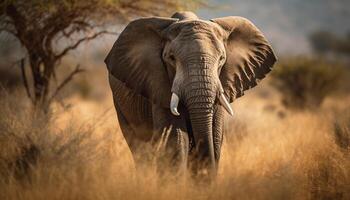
column 179, row 75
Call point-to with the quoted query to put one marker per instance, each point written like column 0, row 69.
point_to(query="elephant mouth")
column 174, row 102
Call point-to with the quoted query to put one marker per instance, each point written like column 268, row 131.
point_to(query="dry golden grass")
column 268, row 153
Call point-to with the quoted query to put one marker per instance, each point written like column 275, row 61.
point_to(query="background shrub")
column 305, row 82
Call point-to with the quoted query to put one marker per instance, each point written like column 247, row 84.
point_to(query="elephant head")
column 193, row 63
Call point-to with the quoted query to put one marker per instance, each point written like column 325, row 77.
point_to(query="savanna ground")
column 269, row 152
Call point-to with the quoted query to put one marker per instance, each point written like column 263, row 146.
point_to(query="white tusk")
column 225, row 103
column 174, row 102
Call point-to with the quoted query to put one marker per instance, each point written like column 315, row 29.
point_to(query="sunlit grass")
column 268, row 153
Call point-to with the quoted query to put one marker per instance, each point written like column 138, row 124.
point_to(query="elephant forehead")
column 193, row 27
column 199, row 34
column 196, row 27
column 198, row 43
column 195, row 38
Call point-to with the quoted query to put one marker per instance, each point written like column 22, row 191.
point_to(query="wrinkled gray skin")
column 157, row 60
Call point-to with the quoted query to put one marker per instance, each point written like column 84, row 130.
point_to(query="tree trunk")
column 41, row 82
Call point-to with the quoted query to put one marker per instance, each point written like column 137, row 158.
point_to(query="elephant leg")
column 135, row 119
column 134, row 144
column 172, row 140
column 218, row 131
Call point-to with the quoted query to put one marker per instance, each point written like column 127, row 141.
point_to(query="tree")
column 326, row 42
column 40, row 24
column 305, row 82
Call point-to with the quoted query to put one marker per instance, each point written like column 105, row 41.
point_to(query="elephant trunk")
column 199, row 96
column 202, row 127
column 197, row 88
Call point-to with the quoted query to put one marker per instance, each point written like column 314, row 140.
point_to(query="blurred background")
column 289, row 138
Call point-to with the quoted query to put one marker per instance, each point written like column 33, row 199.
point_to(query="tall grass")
column 264, row 157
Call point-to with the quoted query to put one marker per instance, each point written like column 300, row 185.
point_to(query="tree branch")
column 75, row 27
column 75, row 45
column 18, row 20
column 76, row 71
column 25, row 80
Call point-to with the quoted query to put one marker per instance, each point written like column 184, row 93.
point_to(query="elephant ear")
column 136, row 59
column 249, row 56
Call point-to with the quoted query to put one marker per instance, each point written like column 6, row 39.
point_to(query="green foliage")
column 305, row 82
